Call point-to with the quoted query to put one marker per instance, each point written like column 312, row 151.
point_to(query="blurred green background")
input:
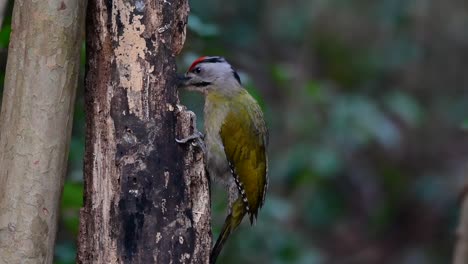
column 366, row 102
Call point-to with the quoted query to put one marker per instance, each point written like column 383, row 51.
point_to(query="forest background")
column 366, row 102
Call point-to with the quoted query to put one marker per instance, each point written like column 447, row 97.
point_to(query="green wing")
column 244, row 137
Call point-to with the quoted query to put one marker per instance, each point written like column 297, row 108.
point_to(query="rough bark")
column 35, row 125
column 461, row 246
column 146, row 197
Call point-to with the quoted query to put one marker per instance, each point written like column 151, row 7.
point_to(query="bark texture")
column 146, row 197
column 35, row 125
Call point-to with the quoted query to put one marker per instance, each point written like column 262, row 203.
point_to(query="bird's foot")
column 196, row 138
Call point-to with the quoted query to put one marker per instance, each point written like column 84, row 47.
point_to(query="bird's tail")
column 230, row 224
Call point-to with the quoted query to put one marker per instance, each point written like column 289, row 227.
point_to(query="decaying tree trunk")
column 146, row 197
column 35, row 125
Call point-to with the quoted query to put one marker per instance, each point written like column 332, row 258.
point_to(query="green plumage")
column 234, row 125
column 243, row 134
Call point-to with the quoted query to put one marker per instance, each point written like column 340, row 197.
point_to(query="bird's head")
column 210, row 73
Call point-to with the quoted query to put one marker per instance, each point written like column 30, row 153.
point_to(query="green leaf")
column 72, row 195
column 5, row 36
column 279, row 74
column 314, row 89
column 72, row 201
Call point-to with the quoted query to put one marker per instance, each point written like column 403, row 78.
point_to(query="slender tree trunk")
column 35, row 125
column 146, row 197
column 461, row 247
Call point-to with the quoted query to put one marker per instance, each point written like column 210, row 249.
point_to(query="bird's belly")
column 217, row 163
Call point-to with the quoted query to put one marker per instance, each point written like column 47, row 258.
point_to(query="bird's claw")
column 197, row 136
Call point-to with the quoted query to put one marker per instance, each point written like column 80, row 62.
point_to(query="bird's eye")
column 197, row 70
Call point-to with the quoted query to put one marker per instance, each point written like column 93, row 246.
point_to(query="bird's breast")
column 214, row 114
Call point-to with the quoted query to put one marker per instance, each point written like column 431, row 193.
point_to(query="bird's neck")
column 217, row 105
column 225, row 95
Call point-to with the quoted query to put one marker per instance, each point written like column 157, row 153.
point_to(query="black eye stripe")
column 236, row 76
column 201, row 84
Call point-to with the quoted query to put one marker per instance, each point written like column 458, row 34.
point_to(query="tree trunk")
column 35, row 125
column 461, row 247
column 146, row 197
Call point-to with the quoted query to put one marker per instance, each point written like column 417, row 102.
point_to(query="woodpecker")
column 235, row 140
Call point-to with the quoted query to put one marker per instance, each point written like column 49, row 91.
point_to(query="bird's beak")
column 182, row 80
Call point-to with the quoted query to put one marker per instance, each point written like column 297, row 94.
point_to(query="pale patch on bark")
column 130, row 54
